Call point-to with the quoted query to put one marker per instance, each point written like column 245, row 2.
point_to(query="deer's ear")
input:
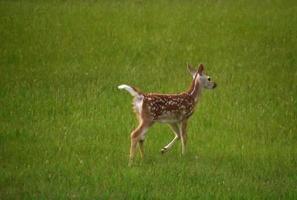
column 191, row 70
column 200, row 69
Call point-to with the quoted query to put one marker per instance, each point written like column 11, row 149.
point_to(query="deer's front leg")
column 183, row 135
column 175, row 129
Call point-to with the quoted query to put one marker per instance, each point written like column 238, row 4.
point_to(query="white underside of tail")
column 129, row 89
column 138, row 100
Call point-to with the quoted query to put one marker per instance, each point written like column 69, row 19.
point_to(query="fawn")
column 173, row 109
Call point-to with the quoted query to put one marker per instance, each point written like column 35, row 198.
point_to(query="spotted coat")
column 168, row 108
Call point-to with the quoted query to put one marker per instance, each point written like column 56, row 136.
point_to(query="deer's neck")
column 195, row 90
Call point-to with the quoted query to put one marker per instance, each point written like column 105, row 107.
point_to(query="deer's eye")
column 208, row 78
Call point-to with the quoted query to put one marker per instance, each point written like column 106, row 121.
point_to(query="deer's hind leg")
column 137, row 136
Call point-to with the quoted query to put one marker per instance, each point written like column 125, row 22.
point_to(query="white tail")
column 173, row 109
column 130, row 89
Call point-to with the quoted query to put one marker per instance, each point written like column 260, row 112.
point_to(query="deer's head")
column 200, row 77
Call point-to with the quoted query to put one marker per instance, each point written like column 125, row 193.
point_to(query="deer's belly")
column 168, row 120
column 174, row 117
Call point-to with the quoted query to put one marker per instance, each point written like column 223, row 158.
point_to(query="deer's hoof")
column 163, row 150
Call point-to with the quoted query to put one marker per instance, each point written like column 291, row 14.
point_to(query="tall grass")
column 65, row 128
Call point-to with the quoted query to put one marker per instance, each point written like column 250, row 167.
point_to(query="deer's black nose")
column 214, row 86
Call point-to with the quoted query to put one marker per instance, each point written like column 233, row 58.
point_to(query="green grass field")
column 65, row 127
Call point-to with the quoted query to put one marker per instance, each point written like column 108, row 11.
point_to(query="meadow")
column 65, row 127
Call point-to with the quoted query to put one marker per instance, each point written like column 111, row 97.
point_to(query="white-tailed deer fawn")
column 173, row 109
